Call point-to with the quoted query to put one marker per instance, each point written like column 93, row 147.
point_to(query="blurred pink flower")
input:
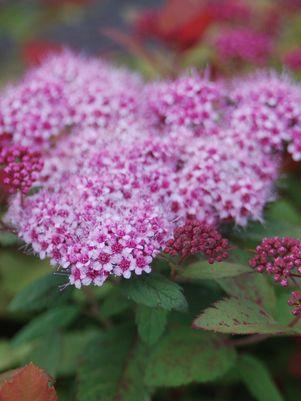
column 292, row 59
column 243, row 44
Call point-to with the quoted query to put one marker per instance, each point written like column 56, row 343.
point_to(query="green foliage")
column 237, row 316
column 202, row 270
column 151, row 323
column 283, row 210
column 58, row 352
column 257, row 379
column 8, row 239
column 53, row 319
column 46, row 352
column 113, row 368
column 184, row 356
column 256, row 231
column 114, row 304
column 12, row 356
column 155, row 291
column 253, row 287
column 40, row 294
column 73, row 344
column 16, row 272
column 281, row 219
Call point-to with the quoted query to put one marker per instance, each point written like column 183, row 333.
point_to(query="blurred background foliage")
column 156, row 37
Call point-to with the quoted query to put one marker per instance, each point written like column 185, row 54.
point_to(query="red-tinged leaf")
column 179, row 23
column 35, row 51
column 27, row 384
column 239, row 316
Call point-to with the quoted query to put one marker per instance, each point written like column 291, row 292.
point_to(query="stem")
column 94, row 308
column 294, row 321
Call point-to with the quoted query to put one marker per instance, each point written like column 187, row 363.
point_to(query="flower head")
column 280, row 257
column 243, row 44
column 189, row 101
column 67, row 90
column 267, row 108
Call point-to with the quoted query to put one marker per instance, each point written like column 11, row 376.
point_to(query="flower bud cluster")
column 295, row 301
column 198, row 237
column 280, row 257
column 19, row 169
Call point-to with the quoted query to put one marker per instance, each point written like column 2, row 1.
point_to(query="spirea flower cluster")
column 65, row 91
column 127, row 163
column 267, row 107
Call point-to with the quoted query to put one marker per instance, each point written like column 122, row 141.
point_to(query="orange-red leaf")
column 27, row 384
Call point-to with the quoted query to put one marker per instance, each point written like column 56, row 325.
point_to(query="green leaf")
column 40, row 326
column 235, row 316
column 12, row 356
column 46, row 353
column 17, row 270
column 113, row 368
column 283, row 210
column 202, row 270
column 155, row 291
column 253, row 287
column 8, row 239
column 184, row 356
column 283, row 312
column 72, row 347
column 257, row 379
column 151, row 323
column 256, row 231
column 114, row 304
column 40, row 294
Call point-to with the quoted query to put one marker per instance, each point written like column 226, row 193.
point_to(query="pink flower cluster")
column 101, row 218
column 243, row 44
column 197, row 237
column 66, row 90
column 280, row 257
column 190, row 102
column 267, row 107
column 126, row 163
